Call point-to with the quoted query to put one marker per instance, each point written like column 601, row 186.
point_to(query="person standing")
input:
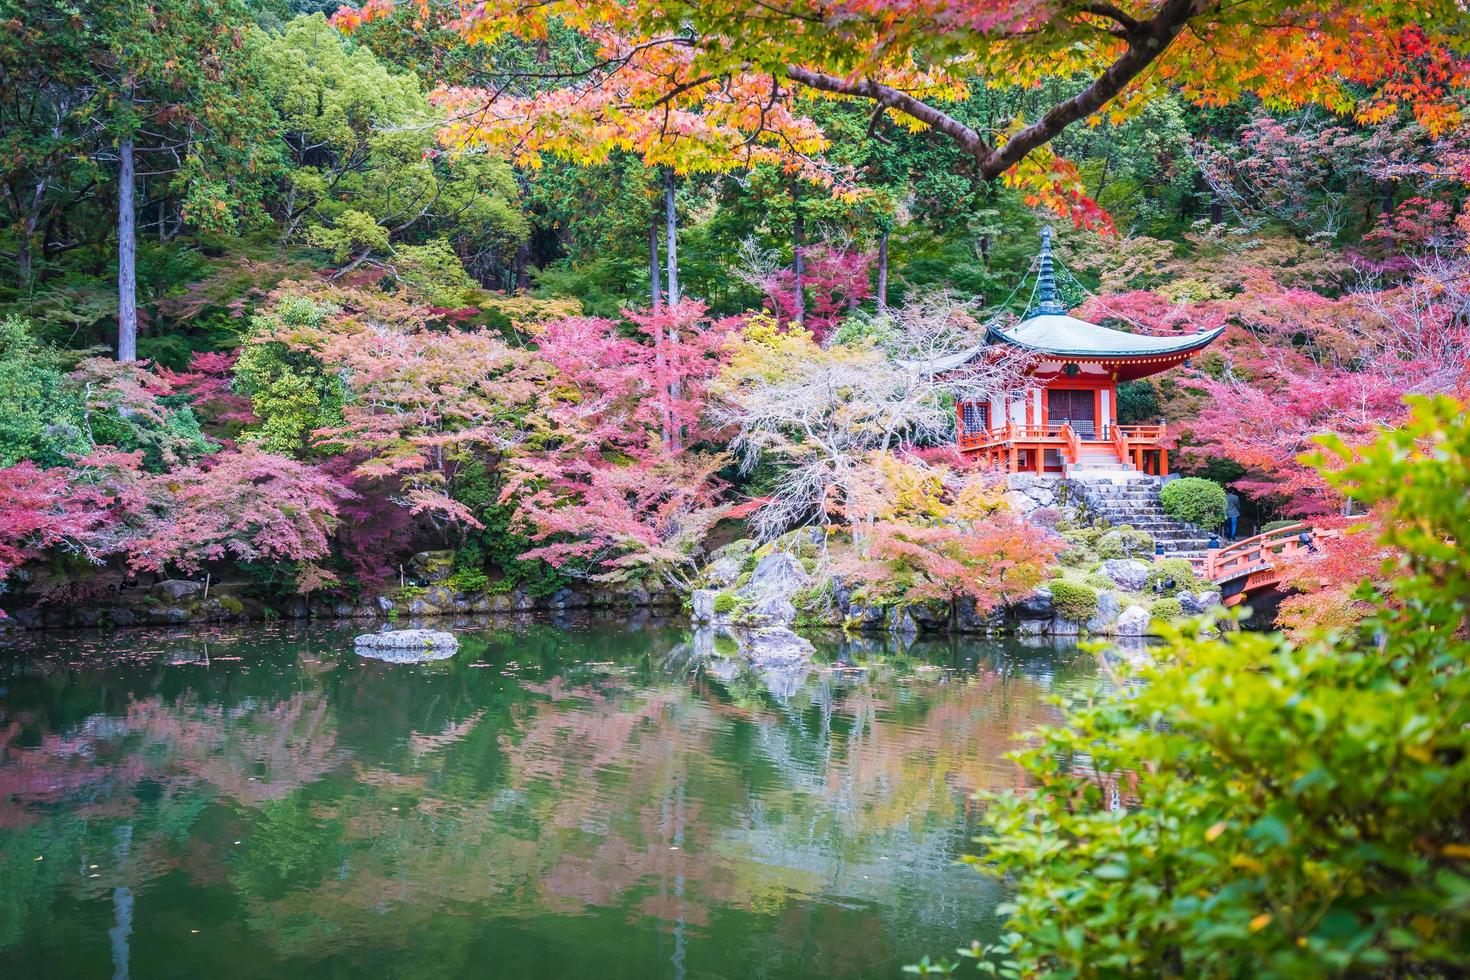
column 1232, row 514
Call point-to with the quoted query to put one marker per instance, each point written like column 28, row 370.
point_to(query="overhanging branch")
column 1146, row 41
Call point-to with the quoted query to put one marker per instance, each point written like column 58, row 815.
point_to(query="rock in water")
column 1037, row 605
column 424, row 644
column 702, row 605
column 774, row 647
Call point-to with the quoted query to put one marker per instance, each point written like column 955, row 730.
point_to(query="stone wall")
column 182, row 601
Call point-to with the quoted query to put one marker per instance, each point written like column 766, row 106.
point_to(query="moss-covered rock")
column 1124, row 541
column 1166, row 610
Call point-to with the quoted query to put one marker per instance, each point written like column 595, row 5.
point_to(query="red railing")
column 1120, row 444
column 1253, row 554
column 1142, row 433
column 1072, row 445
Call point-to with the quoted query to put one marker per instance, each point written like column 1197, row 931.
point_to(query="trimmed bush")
column 1166, row 610
column 1124, row 541
column 1270, row 526
column 1100, row 582
column 1196, row 501
column 724, row 603
column 1072, row 601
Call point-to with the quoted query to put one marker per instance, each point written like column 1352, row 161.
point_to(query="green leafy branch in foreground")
column 1245, row 806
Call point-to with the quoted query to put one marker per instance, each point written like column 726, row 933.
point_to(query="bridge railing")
column 1241, row 557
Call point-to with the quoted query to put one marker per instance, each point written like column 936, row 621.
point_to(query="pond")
column 585, row 799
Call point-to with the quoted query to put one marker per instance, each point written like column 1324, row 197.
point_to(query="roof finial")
column 1047, row 301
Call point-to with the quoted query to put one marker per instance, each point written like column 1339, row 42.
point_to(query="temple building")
column 1064, row 417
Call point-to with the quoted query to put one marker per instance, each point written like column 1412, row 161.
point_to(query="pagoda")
column 1062, row 417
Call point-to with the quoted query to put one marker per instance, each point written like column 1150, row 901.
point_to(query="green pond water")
column 588, row 799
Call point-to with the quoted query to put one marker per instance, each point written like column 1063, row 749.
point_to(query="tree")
column 364, row 181
column 819, row 412
column 247, row 505
column 41, row 510
column 923, row 531
column 705, row 86
column 619, row 481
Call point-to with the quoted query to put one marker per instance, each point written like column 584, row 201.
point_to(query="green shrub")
column 1100, row 582
column 1124, row 541
column 1196, row 501
column 1290, row 808
column 1072, row 601
column 1270, row 526
column 1166, row 610
column 1176, row 570
column 725, row 602
column 469, row 580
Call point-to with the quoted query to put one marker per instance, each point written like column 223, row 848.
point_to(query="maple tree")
column 41, row 510
column 248, row 505
column 715, row 86
column 616, row 479
column 924, row 531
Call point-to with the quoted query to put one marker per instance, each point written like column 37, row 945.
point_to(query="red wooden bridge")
column 1254, row 565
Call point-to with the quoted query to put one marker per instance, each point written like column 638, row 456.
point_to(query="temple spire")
column 1047, row 301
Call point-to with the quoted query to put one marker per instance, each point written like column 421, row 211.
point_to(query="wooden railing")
column 969, row 439
column 1141, row 433
column 1120, row 444
column 1072, row 445
column 1253, row 554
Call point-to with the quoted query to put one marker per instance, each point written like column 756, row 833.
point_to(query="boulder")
column 932, row 616
column 1108, row 608
column 969, row 619
column 865, row 618
column 174, row 589
column 1037, row 605
column 1065, row 627
column 1127, row 574
column 1195, row 603
column 723, row 571
column 776, row 579
column 169, row 614
column 88, row 616
column 1030, row 627
column 1018, row 501
column 774, row 647
column 432, row 566
column 1133, row 621
column 702, row 605
column 408, row 640
column 901, row 622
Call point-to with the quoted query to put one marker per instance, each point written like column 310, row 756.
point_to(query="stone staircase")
column 1133, row 499
column 1098, row 459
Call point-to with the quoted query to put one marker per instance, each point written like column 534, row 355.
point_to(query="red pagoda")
column 1064, row 419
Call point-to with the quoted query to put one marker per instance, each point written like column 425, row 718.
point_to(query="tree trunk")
column 523, row 256
column 882, row 291
column 127, row 257
column 671, row 235
column 655, row 287
column 798, row 266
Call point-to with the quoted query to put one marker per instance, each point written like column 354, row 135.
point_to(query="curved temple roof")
column 1067, row 336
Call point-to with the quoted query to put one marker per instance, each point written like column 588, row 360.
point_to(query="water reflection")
column 602, row 798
